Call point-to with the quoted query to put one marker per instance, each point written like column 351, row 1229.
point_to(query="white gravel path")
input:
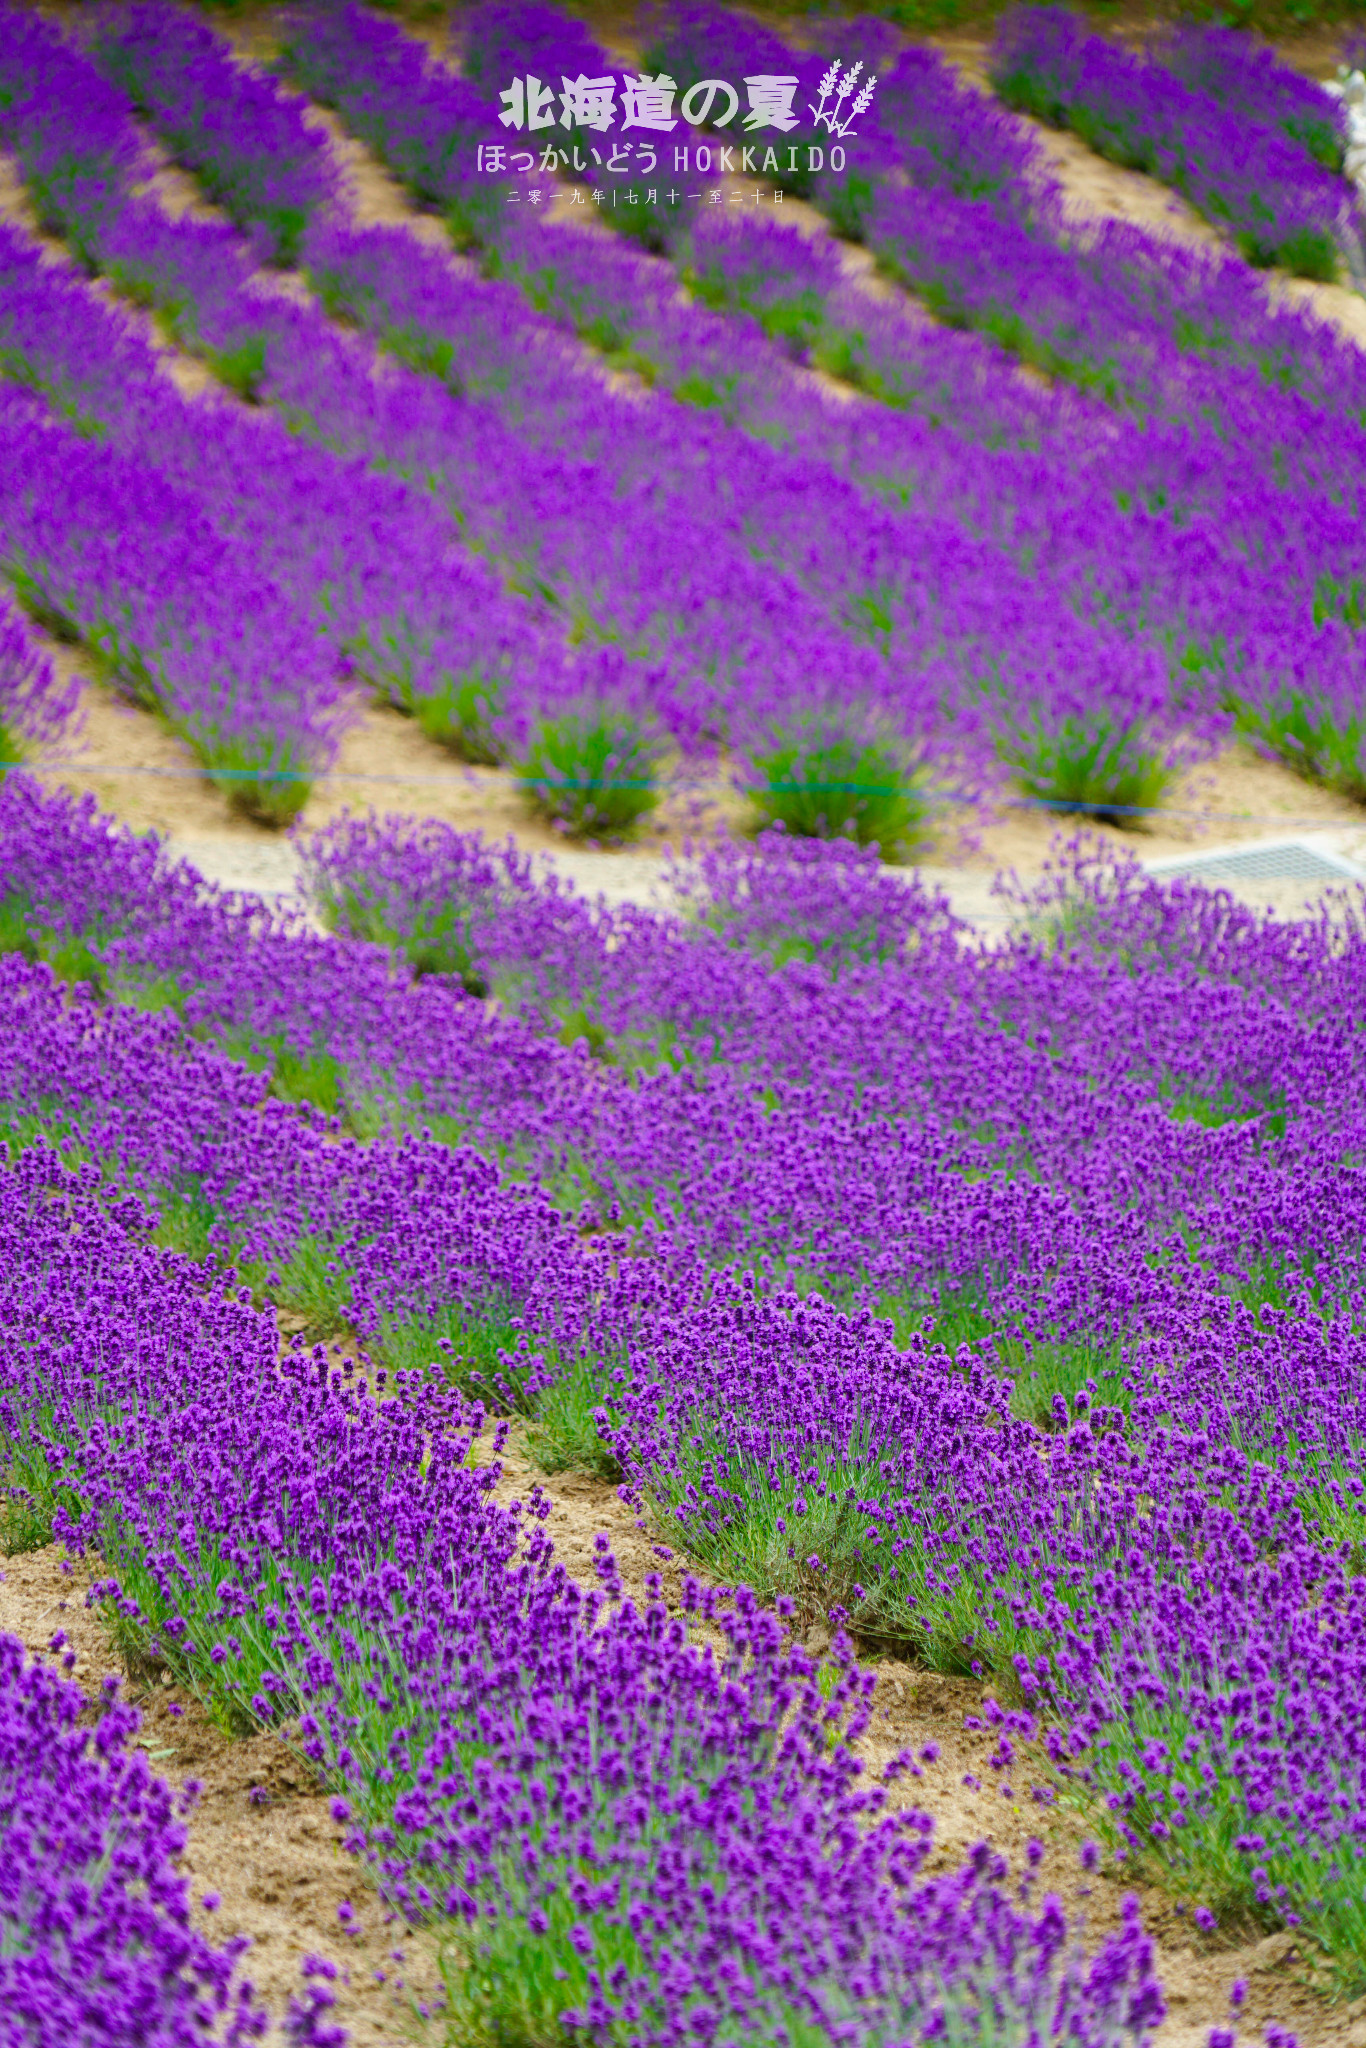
column 1280, row 875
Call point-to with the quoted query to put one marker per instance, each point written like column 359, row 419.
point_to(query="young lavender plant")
column 593, row 772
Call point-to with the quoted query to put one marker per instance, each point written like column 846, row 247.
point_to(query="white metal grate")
column 1289, row 861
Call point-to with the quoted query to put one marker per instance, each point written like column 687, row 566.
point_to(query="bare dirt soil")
column 149, row 780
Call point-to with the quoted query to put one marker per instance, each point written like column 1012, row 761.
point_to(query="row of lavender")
column 610, row 1824
column 1010, row 1303
column 245, row 577
column 1257, row 147
column 1076, row 705
column 937, row 160
column 97, row 1939
column 607, row 1825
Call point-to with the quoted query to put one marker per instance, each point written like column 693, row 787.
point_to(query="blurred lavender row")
column 1155, row 309
column 1020, row 698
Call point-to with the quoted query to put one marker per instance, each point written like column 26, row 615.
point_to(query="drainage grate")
column 1291, row 861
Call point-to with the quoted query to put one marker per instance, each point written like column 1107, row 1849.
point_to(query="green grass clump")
column 825, row 781
column 1113, row 772
column 1304, row 252
column 460, row 715
column 593, row 772
column 434, row 937
column 268, row 792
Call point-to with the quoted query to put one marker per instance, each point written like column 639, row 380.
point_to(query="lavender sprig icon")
column 832, row 82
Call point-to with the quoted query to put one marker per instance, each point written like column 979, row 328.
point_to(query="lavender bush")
column 782, row 277
column 497, row 38
column 900, row 1231
column 947, row 139
column 1097, row 764
column 830, row 778
column 787, row 897
column 437, row 895
column 698, row 40
column 424, row 122
column 73, row 173
column 1321, row 736
column 590, row 770
column 349, row 408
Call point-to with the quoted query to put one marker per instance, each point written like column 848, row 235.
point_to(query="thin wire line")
column 1052, row 805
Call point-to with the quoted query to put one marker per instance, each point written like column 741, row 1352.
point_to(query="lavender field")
column 771, row 1464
